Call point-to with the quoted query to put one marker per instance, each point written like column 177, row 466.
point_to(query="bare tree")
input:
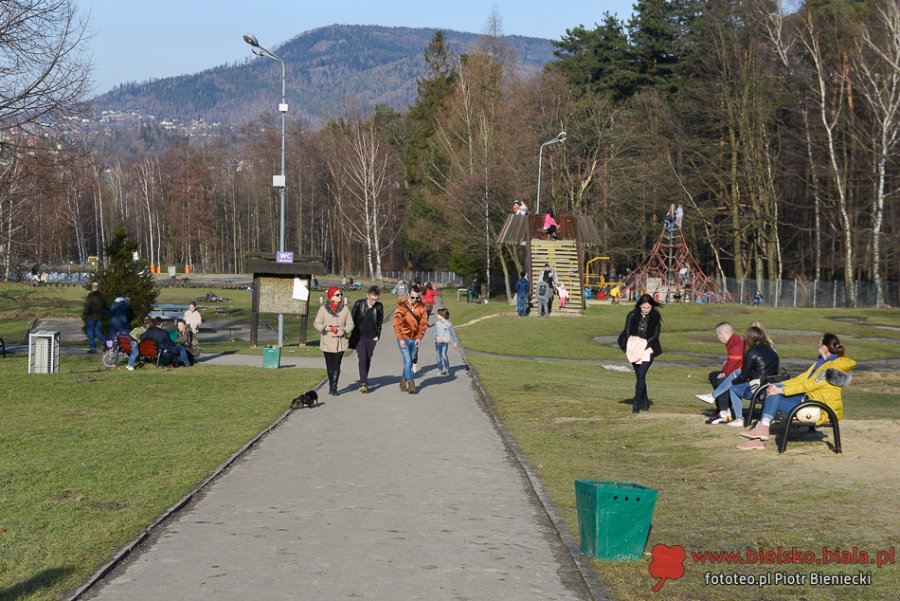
column 828, row 89
column 877, row 76
column 366, row 209
column 42, row 71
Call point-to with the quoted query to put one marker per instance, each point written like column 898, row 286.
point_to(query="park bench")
column 148, row 352
column 807, row 414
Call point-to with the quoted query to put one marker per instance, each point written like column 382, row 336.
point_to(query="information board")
column 276, row 295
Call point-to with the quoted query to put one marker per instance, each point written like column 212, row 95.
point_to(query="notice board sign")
column 276, row 295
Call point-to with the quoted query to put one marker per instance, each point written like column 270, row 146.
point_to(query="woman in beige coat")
column 334, row 324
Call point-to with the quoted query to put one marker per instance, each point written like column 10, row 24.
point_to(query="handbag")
column 623, row 340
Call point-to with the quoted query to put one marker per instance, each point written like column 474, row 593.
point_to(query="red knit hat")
column 332, row 290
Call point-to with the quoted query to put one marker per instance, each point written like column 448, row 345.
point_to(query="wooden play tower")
column 669, row 272
column 565, row 254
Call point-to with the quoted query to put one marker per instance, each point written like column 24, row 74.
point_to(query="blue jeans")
column 182, row 354
column 778, row 402
column 407, row 354
column 725, row 385
column 521, row 305
column 132, row 358
column 443, row 360
column 94, row 329
column 738, row 393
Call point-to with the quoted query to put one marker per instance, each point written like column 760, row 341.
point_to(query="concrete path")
column 385, row 496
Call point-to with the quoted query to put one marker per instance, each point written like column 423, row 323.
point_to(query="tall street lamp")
column 278, row 181
column 560, row 137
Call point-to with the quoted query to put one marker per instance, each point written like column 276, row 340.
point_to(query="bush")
column 124, row 276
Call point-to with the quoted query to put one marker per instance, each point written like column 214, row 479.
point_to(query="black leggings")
column 333, row 362
column 641, row 400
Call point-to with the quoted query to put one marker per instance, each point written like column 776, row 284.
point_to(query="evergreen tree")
column 659, row 33
column 422, row 156
column 125, row 276
column 597, row 60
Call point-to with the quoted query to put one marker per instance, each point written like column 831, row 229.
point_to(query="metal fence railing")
column 440, row 278
column 812, row 293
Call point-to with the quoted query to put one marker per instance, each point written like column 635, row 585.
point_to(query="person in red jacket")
column 734, row 346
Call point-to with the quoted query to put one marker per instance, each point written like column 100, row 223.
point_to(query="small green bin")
column 613, row 518
column 271, row 357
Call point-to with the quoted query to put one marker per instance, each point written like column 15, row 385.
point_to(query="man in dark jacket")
column 93, row 314
column 368, row 315
column 164, row 344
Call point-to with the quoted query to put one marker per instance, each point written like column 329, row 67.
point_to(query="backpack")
column 542, row 288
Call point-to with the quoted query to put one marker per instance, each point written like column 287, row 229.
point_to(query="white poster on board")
column 301, row 290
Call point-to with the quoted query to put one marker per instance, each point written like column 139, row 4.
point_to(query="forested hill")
column 328, row 69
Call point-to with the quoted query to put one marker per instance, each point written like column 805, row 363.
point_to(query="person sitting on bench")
column 188, row 340
column 812, row 384
column 164, row 343
column 135, row 336
column 760, row 362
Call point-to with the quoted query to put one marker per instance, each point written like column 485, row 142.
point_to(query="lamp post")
column 560, row 137
column 278, row 181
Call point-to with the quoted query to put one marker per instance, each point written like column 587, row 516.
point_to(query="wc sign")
column 284, row 257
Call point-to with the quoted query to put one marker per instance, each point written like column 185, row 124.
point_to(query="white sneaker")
column 129, row 368
column 737, row 423
column 706, row 398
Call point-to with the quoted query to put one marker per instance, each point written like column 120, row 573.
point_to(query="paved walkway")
column 381, row 496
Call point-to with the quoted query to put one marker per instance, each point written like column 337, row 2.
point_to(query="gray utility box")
column 43, row 352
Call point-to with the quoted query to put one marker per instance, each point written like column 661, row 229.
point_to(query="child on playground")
column 563, row 295
column 444, row 334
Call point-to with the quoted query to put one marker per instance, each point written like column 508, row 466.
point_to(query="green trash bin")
column 613, row 518
column 271, row 357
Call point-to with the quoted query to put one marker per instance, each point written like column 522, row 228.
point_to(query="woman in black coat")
column 640, row 342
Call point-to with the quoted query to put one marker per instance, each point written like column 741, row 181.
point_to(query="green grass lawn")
column 89, row 458
column 573, row 421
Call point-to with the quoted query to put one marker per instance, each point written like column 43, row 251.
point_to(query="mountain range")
column 328, row 70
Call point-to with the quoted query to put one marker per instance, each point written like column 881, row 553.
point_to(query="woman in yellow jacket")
column 811, row 384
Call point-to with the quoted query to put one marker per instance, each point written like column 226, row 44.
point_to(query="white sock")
column 765, row 421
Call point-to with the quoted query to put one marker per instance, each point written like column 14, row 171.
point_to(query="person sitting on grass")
column 814, row 384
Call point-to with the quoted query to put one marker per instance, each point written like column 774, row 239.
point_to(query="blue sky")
column 136, row 40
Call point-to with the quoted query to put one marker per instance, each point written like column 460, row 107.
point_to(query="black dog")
column 307, row 399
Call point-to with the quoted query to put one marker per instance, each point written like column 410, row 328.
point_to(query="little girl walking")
column 444, row 334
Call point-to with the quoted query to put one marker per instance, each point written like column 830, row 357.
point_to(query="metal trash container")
column 272, row 357
column 43, row 352
column 613, row 518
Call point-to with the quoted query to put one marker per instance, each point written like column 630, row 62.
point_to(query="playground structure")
column 565, row 255
column 669, row 272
